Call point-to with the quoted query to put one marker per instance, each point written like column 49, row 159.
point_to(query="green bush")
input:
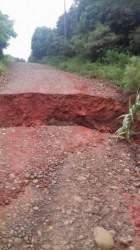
column 51, row 60
column 4, row 62
column 2, row 68
column 116, row 57
column 117, row 67
column 83, row 67
column 129, row 119
column 99, row 41
column 134, row 41
column 113, row 73
column 74, row 65
column 131, row 79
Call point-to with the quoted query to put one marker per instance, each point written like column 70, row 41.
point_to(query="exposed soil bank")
column 57, row 109
column 58, row 182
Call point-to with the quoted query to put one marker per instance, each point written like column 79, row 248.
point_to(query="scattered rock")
column 112, row 232
column 18, row 240
column 26, row 181
column 126, row 240
column 137, row 184
column 77, row 198
column 103, row 238
column 12, row 176
column 81, row 237
column 35, row 208
column 27, row 175
column 81, row 178
column 26, row 239
column 113, row 187
column 45, row 246
column 39, row 233
column 35, row 181
column 131, row 248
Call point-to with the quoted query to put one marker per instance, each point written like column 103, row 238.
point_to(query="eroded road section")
column 41, row 95
column 61, row 172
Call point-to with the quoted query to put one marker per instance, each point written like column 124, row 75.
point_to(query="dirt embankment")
column 35, row 109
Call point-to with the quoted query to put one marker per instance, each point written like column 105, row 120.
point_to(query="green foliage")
column 126, row 131
column 93, row 27
column 99, row 40
column 134, row 41
column 102, row 38
column 6, row 31
column 84, row 67
column 2, row 68
column 4, row 63
column 119, row 68
column 131, row 79
column 40, row 42
column 114, row 73
column 104, row 34
column 116, row 57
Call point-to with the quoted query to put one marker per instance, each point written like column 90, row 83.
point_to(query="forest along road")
column 61, row 171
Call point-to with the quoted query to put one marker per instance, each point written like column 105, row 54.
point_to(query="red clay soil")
column 61, row 171
column 34, row 109
column 37, row 98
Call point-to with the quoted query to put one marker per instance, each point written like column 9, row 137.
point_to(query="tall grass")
column 2, row 68
column 131, row 79
column 129, row 119
column 120, row 68
column 4, row 62
column 86, row 68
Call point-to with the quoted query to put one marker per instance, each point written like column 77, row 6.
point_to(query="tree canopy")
column 92, row 27
column 6, row 31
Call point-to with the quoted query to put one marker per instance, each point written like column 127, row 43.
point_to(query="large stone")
column 131, row 248
column 103, row 238
column 126, row 240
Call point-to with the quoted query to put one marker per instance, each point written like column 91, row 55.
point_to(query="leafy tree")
column 39, row 42
column 71, row 23
column 135, row 41
column 6, row 31
column 93, row 26
column 100, row 40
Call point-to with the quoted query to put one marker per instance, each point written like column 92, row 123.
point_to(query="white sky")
column 27, row 15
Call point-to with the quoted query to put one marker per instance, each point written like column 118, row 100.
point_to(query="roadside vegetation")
column 119, row 68
column 129, row 120
column 100, row 40
column 6, row 32
column 97, row 39
column 2, row 68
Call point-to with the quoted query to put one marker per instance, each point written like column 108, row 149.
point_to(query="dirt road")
column 61, row 171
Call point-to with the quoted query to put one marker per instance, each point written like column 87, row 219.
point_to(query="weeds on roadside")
column 120, row 68
column 126, row 131
column 131, row 79
column 2, row 68
column 4, row 62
